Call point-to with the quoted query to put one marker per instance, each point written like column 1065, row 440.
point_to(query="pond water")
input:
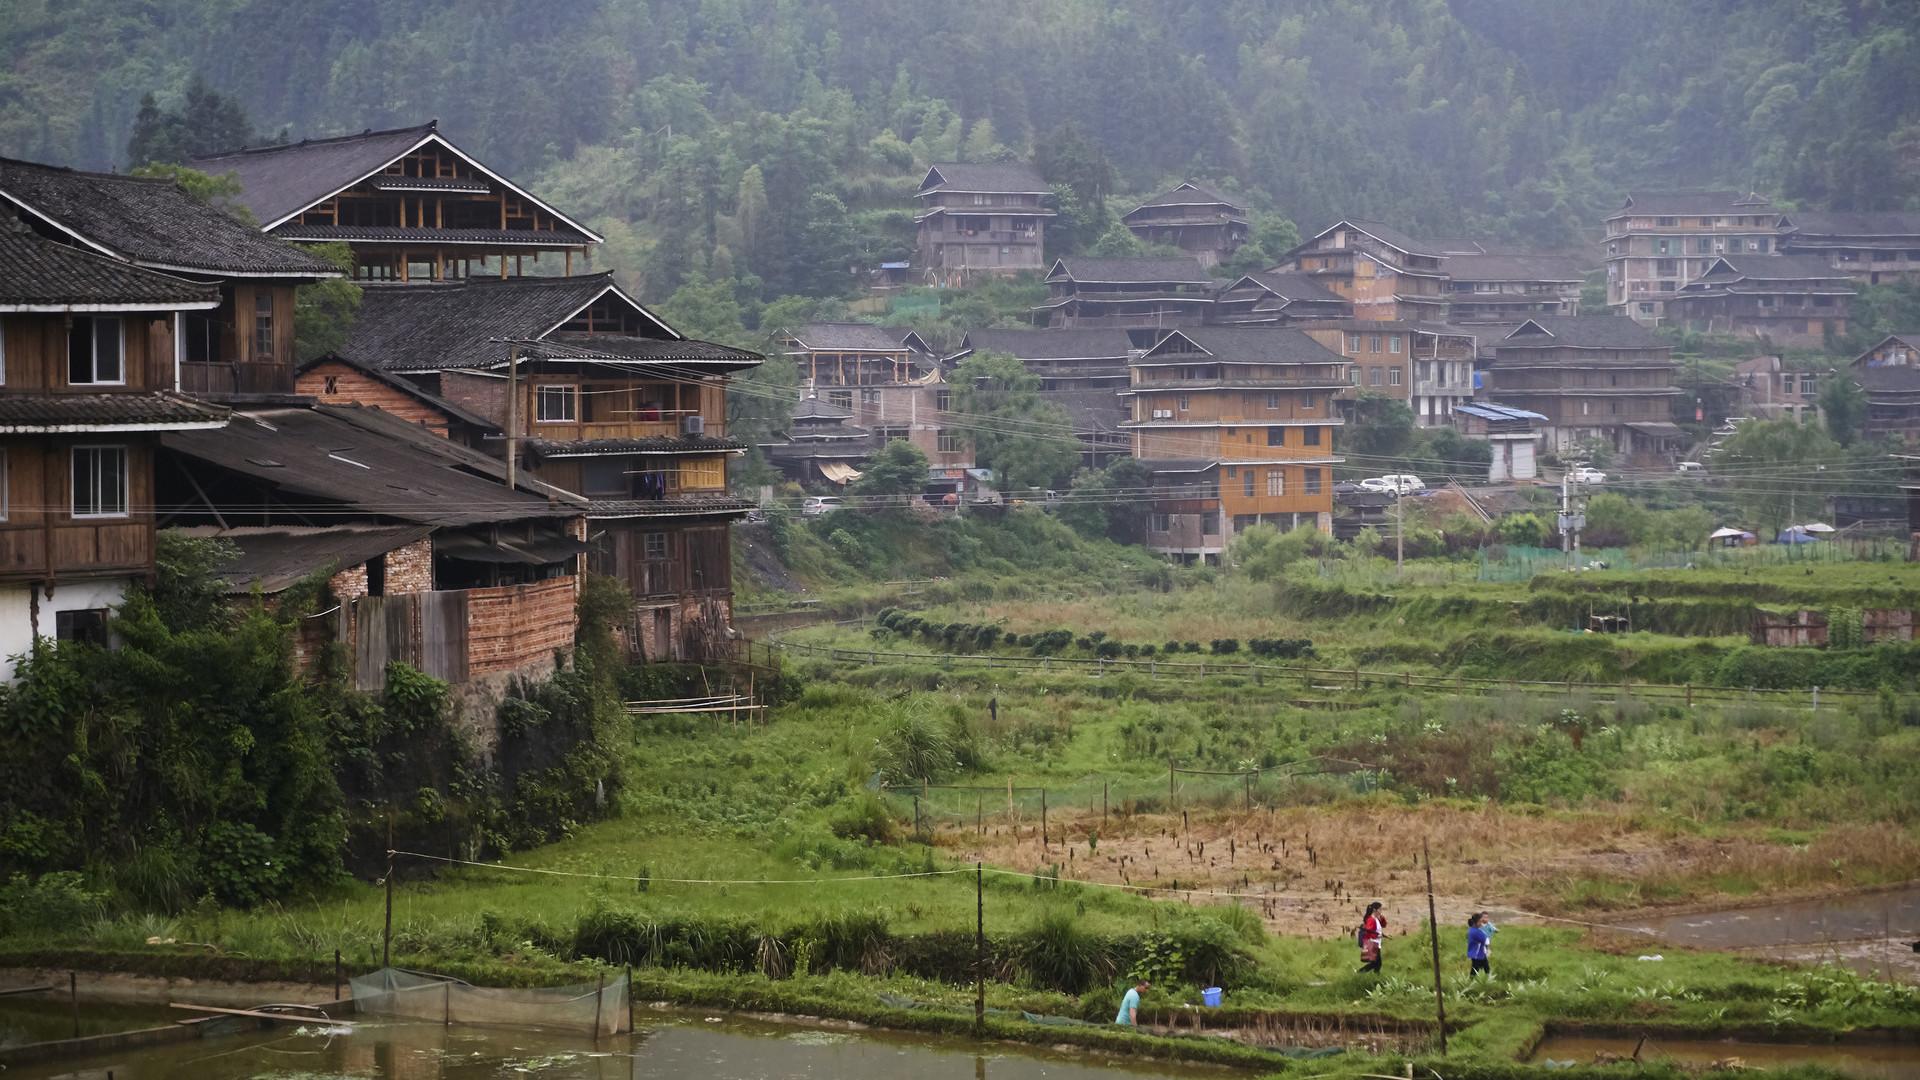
column 1871, row 1061
column 665, row 1045
column 27, row 1018
column 1895, row 913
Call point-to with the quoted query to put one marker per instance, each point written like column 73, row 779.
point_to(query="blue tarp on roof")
column 1487, row 410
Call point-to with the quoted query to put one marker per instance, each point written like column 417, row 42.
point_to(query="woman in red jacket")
column 1373, row 928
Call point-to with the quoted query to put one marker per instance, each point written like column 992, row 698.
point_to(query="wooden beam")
column 284, row 1018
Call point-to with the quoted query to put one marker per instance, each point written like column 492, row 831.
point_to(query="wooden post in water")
column 336, row 974
column 446, row 1004
column 386, row 939
column 599, row 1005
column 1433, row 927
column 73, row 995
column 629, row 999
column 979, row 951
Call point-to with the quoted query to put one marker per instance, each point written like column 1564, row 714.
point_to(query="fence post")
column 1043, row 819
column 1689, row 695
column 336, row 974
column 1170, row 797
column 1103, row 802
column 916, row 817
column 1249, row 779
column 980, row 814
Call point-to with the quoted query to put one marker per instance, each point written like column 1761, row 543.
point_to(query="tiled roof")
column 621, row 347
column 408, row 387
column 654, row 444
column 1247, row 345
column 965, row 176
column 38, row 273
column 378, row 234
column 1838, row 223
column 812, row 408
column 1385, row 233
column 1514, row 267
column 848, row 336
column 275, row 559
column 156, row 411
column 151, row 222
column 1144, row 269
column 1061, row 344
column 1586, row 332
column 671, row 506
column 279, row 180
column 428, row 327
column 366, row 461
column 1092, row 411
column 1188, row 193
column 1296, row 286
column 1773, row 268
column 1695, row 203
column 1899, row 379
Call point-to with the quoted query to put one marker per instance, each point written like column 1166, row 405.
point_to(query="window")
column 1273, row 400
column 1373, row 343
column 656, row 545
column 1276, row 436
column 842, row 399
column 99, row 481
column 1310, row 436
column 943, row 400
column 1353, row 375
column 1806, row 387
column 1243, row 522
column 1161, row 523
column 262, row 325
column 1312, row 478
column 331, row 385
column 1276, row 482
column 553, row 404
column 947, row 442
column 1183, row 403
column 1393, row 343
column 1667, row 267
column 1306, row 401
column 203, row 337
column 1663, row 247
column 1374, row 376
column 1663, row 221
column 1703, row 245
column 1646, row 309
column 95, row 348
column 1393, row 376
column 1246, row 483
column 87, row 625
column 1353, row 343
column 869, row 397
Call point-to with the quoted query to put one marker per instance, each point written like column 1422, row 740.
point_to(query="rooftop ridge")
column 431, row 127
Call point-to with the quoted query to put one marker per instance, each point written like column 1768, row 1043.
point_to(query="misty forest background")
column 757, row 149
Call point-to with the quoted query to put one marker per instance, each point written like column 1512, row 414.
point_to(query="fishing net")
column 590, row 1008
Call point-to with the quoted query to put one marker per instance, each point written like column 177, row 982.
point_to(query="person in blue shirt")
column 1130, row 1005
column 1479, row 933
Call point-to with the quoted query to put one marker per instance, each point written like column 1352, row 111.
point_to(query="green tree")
column 323, row 312
column 1776, row 470
column 1118, row 242
column 1381, row 430
column 206, row 122
column 1263, row 552
column 1843, row 406
column 897, row 470
column 1026, row 440
column 1268, row 240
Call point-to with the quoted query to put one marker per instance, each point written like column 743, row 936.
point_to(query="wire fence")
column 1515, row 562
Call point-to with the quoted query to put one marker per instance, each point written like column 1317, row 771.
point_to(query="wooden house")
column 1272, row 298
column 241, row 350
column 1237, row 425
column 821, row 447
column 1599, row 378
column 1193, row 218
column 1382, row 272
column 411, row 205
column 1496, row 287
column 1082, row 371
column 980, row 219
column 592, row 393
column 1430, row 366
column 1144, row 294
column 1872, row 248
column 1658, row 241
column 887, row 378
column 86, row 389
column 1794, row 300
column 1889, row 373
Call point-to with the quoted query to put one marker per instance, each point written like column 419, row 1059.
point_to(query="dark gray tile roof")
column 1189, row 193
column 654, row 444
column 1839, row 223
column 35, row 272
column 1693, row 203
column 1514, row 267
column 619, row 347
column 1585, row 332
column 428, row 327
column 367, row 462
column 275, row 559
column 1758, row 267
column 151, row 222
column 813, row 408
column 1296, row 286
column 1247, row 345
column 48, row 413
column 1061, row 344
column 533, row 238
column 671, row 506
column 1386, row 234
column 1144, row 269
column 1092, row 411
column 848, row 336
column 1010, row 176
column 1888, row 380
column 279, row 180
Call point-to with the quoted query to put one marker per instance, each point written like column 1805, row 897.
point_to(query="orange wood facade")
column 336, row 383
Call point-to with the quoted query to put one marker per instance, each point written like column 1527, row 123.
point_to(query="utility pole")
column 1433, row 929
column 513, row 414
column 1399, row 530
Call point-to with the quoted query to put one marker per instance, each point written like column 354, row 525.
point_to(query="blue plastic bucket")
column 1211, row 995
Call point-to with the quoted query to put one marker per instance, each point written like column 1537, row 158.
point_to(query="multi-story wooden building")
column 1495, row 287
column 890, row 382
column 976, row 219
column 1427, row 365
column 1271, row 298
column 1082, row 371
column 1784, row 299
column 1870, row 247
column 411, row 205
column 1596, row 378
column 593, row 394
column 1193, row 218
column 1890, row 374
column 821, row 447
column 1659, row 241
column 1382, row 272
column 241, row 350
column 87, row 343
column 1145, row 294
column 1237, row 425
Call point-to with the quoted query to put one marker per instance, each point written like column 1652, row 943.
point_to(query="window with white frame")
column 99, row 481
column 262, row 326
column 554, row 404
column 655, row 545
column 96, row 351
column 1393, row 376
column 1276, row 482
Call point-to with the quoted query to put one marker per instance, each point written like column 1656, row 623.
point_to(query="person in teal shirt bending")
column 1130, row 1005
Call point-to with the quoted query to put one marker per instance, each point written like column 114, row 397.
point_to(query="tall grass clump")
column 1058, row 952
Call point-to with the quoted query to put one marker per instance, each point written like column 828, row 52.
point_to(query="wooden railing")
column 226, row 378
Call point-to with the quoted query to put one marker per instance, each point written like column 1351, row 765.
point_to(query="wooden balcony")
column 227, row 378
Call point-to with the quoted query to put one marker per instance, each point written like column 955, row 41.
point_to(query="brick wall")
column 512, row 626
column 352, row 386
column 410, row 568
column 482, row 395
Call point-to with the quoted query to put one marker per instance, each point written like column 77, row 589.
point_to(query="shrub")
column 863, row 817
column 1059, row 953
column 55, row 901
column 1225, row 646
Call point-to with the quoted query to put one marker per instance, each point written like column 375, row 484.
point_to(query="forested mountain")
column 775, row 142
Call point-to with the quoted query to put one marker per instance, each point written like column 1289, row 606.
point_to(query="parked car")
column 1587, row 475
column 1377, row 483
column 1399, row 483
column 815, row 505
column 1690, row 468
column 1348, row 487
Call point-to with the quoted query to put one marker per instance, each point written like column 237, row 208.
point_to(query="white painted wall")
column 16, row 612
